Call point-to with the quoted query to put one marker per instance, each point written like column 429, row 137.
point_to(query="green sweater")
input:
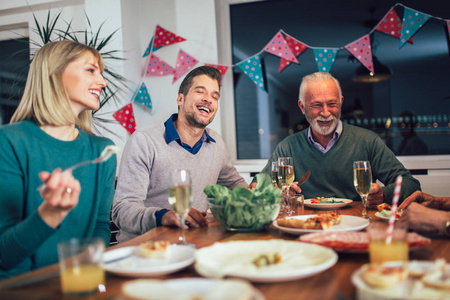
column 26, row 241
column 332, row 172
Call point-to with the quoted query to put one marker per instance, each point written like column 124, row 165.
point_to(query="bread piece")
column 152, row 289
column 153, row 249
column 438, row 280
column 383, row 276
column 415, row 270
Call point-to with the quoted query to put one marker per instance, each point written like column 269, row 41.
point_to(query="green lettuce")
column 245, row 209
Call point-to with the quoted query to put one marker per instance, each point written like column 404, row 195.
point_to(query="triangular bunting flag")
column 362, row 51
column 412, row 21
column 252, row 67
column 297, row 48
column 143, row 96
column 278, row 46
column 325, row 58
column 448, row 26
column 223, row 69
column 125, row 116
column 149, row 48
column 164, row 37
column 391, row 25
column 158, row 67
column 185, row 62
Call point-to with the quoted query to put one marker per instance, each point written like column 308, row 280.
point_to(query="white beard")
column 323, row 130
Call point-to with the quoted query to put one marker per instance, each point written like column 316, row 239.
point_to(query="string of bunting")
column 282, row 45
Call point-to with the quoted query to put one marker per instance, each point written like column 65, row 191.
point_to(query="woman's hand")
column 60, row 194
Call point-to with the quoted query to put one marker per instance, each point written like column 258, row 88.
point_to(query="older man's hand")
column 194, row 219
column 376, row 196
column 423, row 219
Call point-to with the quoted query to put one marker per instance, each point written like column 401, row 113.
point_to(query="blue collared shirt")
column 172, row 135
column 336, row 135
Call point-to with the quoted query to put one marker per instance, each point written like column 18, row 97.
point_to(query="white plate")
column 379, row 215
column 178, row 257
column 355, row 242
column 348, row 223
column 408, row 289
column 298, row 260
column 328, row 205
column 186, row 288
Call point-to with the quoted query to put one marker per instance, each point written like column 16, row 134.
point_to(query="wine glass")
column 285, row 177
column 362, row 179
column 275, row 173
column 180, row 197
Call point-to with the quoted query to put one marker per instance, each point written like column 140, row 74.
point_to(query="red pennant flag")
column 185, row 62
column 279, row 47
column 362, row 51
column 223, row 69
column 125, row 116
column 164, row 37
column 391, row 25
column 297, row 48
column 448, row 26
column 158, row 67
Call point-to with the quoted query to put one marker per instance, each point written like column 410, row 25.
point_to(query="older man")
column 329, row 147
column 182, row 142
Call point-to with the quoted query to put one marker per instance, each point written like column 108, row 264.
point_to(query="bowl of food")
column 245, row 210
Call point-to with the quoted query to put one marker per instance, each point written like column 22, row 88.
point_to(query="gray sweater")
column 142, row 186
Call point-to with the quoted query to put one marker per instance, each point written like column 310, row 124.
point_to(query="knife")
column 304, row 178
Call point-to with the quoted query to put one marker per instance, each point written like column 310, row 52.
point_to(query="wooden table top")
column 333, row 283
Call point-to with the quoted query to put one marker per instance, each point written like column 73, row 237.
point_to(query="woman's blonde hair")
column 45, row 99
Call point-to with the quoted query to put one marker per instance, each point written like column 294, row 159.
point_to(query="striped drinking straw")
column 398, row 186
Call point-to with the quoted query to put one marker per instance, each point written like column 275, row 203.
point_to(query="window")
column 14, row 64
column 416, row 99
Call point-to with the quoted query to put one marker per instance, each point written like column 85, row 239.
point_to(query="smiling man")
column 182, row 142
column 329, row 147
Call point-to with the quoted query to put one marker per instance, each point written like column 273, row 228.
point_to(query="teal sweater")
column 332, row 172
column 26, row 241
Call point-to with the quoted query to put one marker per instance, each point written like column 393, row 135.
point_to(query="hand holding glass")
column 180, row 197
column 362, row 179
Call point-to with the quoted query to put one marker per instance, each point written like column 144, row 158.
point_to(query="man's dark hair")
column 211, row 72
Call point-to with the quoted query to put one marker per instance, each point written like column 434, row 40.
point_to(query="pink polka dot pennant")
column 278, row 46
column 362, row 51
column 142, row 96
column 164, row 37
column 158, row 67
column 223, row 69
column 448, row 26
column 125, row 116
column 185, row 62
column 412, row 21
column 252, row 67
column 297, row 48
column 391, row 25
column 325, row 58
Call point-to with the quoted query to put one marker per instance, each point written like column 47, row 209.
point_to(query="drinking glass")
column 295, row 201
column 362, row 179
column 380, row 251
column 80, row 262
column 285, row 177
column 275, row 173
column 180, row 197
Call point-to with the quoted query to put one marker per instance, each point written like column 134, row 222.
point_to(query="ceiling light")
column 382, row 72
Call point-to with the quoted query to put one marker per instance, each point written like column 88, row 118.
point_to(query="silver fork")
column 104, row 156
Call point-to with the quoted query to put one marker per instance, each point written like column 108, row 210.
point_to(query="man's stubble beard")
column 323, row 131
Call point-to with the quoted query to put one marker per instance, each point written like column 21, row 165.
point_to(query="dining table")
column 333, row 283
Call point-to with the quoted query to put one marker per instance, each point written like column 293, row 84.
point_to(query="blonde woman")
column 50, row 131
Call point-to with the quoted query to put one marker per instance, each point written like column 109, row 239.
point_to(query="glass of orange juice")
column 380, row 251
column 80, row 262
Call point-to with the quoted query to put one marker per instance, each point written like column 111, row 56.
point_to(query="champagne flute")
column 285, row 177
column 180, row 197
column 362, row 179
column 275, row 173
